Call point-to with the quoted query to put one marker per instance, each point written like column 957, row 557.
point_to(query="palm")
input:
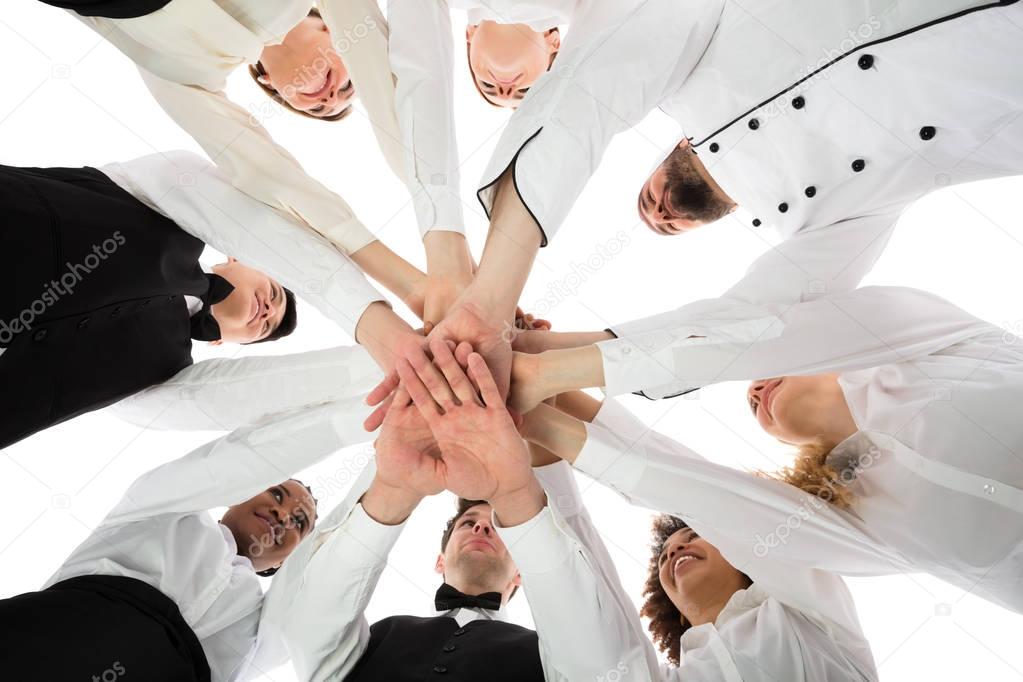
column 407, row 453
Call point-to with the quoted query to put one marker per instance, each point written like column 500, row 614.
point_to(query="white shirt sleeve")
column 239, row 465
column 227, row 393
column 558, row 135
column 791, row 543
column 317, row 599
column 199, row 198
column 597, row 635
column 421, row 54
column 700, row 345
column 255, row 164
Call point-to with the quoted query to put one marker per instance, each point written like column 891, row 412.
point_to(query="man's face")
column 507, row 59
column 681, row 195
column 268, row 527
column 475, row 557
column 254, row 309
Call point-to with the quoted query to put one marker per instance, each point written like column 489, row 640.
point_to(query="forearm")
column 555, row 432
column 519, row 506
column 511, row 248
column 384, row 335
column 388, row 505
column 395, row 273
column 571, row 369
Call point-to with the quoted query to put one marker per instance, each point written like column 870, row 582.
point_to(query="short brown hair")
column 463, row 506
column 257, row 71
column 666, row 623
column 475, row 81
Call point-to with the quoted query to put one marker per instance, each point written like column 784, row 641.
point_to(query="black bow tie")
column 204, row 326
column 449, row 598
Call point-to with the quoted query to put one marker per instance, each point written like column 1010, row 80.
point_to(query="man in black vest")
column 469, row 446
column 103, row 296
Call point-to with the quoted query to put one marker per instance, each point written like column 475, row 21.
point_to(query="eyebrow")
column 285, row 489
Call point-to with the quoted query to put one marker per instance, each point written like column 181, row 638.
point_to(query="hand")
column 488, row 336
column 406, row 451
column 484, row 456
column 528, row 385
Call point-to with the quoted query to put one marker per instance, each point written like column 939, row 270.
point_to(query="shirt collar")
column 238, row 559
column 739, row 603
column 467, row 615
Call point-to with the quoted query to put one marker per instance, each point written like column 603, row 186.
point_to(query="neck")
column 842, row 425
column 474, row 589
column 706, row 608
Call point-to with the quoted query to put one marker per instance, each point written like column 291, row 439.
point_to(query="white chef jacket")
column 422, row 57
column 933, row 392
column 317, row 599
column 785, row 139
column 162, row 534
column 185, row 52
column 199, row 198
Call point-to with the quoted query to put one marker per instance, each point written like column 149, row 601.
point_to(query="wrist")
column 387, row 504
column 447, row 253
column 518, row 506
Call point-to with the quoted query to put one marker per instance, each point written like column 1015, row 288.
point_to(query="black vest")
column 92, row 285
column 113, row 9
column 410, row 649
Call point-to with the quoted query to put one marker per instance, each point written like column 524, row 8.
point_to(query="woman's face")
column 798, row 409
column 694, row 575
column 268, row 527
column 506, row 59
column 307, row 71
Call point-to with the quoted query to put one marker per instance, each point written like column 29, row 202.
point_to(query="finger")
column 431, row 377
column 544, row 325
column 417, row 390
column 453, row 372
column 485, row 380
column 374, row 420
column 462, row 353
column 428, row 327
column 383, row 389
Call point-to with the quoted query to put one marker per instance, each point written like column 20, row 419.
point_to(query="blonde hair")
column 810, row 473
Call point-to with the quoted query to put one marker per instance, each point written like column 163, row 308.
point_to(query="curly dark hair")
column 666, row 622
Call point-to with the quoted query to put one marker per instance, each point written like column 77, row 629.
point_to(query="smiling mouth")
column 683, row 562
column 767, row 397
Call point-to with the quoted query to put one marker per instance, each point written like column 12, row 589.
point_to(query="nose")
column 482, row 527
column 506, row 85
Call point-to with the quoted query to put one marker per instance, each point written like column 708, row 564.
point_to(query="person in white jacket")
column 903, row 409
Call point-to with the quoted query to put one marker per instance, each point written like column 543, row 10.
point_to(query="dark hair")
column 463, row 506
column 257, row 71
column 475, row 82
column 270, row 572
column 289, row 320
column 686, row 187
column 666, row 623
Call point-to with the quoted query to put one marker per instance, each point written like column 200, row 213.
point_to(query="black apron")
column 98, row 627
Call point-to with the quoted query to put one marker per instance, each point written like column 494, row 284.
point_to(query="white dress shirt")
column 422, row 57
column 933, row 392
column 796, row 622
column 317, row 600
column 162, row 534
column 199, row 198
column 187, row 49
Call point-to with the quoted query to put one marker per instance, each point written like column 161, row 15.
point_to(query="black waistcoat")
column 92, row 286
column 113, row 9
column 410, row 649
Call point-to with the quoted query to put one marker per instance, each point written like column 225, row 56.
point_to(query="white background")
column 69, row 99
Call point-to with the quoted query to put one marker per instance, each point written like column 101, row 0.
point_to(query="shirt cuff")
column 438, row 207
column 371, row 541
column 636, row 365
column 608, row 460
column 538, row 545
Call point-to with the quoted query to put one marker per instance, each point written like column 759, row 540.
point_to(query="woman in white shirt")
column 904, row 405
column 161, row 588
column 186, row 49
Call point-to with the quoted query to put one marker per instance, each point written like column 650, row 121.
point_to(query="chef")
column 825, row 120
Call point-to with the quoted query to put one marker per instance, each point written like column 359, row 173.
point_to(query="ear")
column 517, row 580
column 553, row 39
column 470, row 31
column 684, row 144
column 231, row 260
column 439, row 566
column 218, row 342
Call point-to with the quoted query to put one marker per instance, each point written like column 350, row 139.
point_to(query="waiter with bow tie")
column 104, row 292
